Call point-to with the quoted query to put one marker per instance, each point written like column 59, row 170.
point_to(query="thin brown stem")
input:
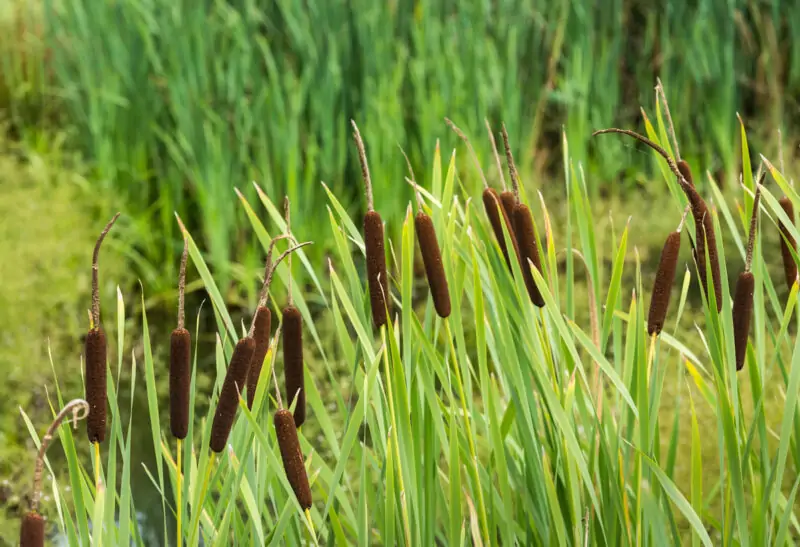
column 268, row 278
column 496, row 154
column 413, row 178
column 683, row 218
column 751, row 240
column 288, row 215
column 660, row 91
column 182, row 283
column 262, row 295
column 472, row 153
column 79, row 409
column 362, row 157
column 512, row 167
column 641, row 138
column 95, row 270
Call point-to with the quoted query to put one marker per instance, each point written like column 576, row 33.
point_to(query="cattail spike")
column 180, row 355
column 292, row 456
column 496, row 154
column 376, row 267
column 32, row 532
column 528, row 250
column 362, row 158
column 471, row 150
column 232, row 387
column 662, row 286
column 95, row 376
column 432, row 260
column 293, row 368
column 742, row 312
column 261, row 332
column 788, row 243
column 509, row 201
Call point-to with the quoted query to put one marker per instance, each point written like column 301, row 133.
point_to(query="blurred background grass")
column 152, row 107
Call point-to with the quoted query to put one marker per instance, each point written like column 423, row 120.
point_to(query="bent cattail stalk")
column 743, row 297
column 524, row 230
column 705, row 236
column 95, row 354
column 32, row 531
column 180, row 352
column 292, row 457
column 380, row 299
column 232, row 386
column 788, row 243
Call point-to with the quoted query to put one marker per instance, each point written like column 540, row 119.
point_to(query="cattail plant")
column 524, row 231
column 665, row 277
column 32, row 531
column 95, row 354
column 431, row 254
column 705, row 235
column 379, row 296
column 180, row 350
column 492, row 203
column 236, row 376
column 293, row 367
column 291, row 454
column 743, row 296
column 788, row 243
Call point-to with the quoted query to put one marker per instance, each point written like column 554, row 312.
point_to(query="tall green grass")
column 183, row 99
column 504, row 423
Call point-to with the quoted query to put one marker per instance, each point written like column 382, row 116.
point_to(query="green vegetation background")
column 183, row 101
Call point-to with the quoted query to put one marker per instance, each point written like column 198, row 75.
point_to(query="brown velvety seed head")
column 509, row 201
column 526, row 240
column 292, row 457
column 742, row 312
column 95, row 373
column 376, row 267
column 235, row 380
column 261, row 332
column 686, row 171
column 432, row 258
column 497, row 216
column 180, row 353
column 705, row 238
column 31, row 533
column 293, row 362
column 789, row 265
column 662, row 286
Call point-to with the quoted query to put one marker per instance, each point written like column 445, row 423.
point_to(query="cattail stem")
column 670, row 126
column 79, row 409
column 670, row 162
column 95, row 271
column 97, row 463
column 362, row 158
column 288, row 214
column 471, row 150
column 179, row 489
column 182, row 283
column 496, row 154
column 512, row 168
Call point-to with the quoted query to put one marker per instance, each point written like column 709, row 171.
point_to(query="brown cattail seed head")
column 95, row 362
column 742, row 312
column 526, row 239
column 787, row 241
column 497, row 217
column 235, row 380
column 292, row 457
column 662, row 286
column 180, row 352
column 261, row 332
column 432, row 258
column 509, row 200
column 686, row 172
column 376, row 267
column 31, row 534
column 705, row 238
column 293, row 362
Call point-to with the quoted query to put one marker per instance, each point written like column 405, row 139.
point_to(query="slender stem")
column 683, row 218
column 496, row 154
column 660, row 91
column 179, row 488
column 362, row 157
column 79, row 410
column 201, row 499
column 512, row 168
column 288, row 214
column 472, row 153
column 182, row 283
column 95, row 282
column 96, row 463
column 413, row 178
column 311, row 526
